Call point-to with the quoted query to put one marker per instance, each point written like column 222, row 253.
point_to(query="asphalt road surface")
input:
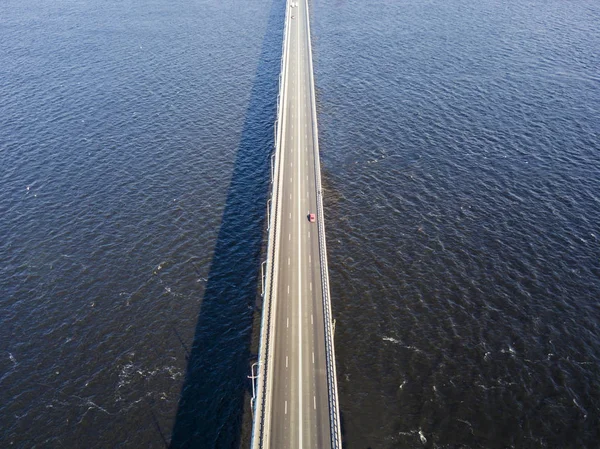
column 296, row 406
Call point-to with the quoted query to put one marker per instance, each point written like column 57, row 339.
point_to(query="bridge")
column 295, row 402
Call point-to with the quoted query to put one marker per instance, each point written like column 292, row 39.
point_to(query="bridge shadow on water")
column 211, row 406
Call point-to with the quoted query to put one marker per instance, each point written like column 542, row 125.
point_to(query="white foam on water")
column 393, row 340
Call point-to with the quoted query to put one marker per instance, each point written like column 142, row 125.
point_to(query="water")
column 461, row 153
column 134, row 178
column 460, row 150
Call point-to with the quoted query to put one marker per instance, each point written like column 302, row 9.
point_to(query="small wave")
column 510, row 351
column 398, row 342
column 393, row 340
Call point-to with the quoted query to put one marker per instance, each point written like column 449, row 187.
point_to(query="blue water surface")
column 461, row 170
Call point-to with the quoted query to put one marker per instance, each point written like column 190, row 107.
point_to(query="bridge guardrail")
column 334, row 414
column 258, row 428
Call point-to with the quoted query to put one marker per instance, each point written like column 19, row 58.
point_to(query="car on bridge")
column 311, row 218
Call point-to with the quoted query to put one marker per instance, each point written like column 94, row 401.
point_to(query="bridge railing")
column 334, row 413
column 258, row 403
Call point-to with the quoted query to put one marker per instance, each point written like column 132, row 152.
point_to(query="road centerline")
column 300, row 431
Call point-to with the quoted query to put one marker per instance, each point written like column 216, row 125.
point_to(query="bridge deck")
column 294, row 405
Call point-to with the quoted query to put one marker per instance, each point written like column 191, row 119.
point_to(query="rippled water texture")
column 461, row 148
column 135, row 143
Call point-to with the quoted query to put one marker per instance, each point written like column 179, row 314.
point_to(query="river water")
column 461, row 164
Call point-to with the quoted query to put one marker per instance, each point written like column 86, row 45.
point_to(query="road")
column 297, row 407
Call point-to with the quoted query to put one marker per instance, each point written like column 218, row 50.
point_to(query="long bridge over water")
column 296, row 403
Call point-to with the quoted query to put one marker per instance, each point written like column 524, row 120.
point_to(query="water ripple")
column 460, row 148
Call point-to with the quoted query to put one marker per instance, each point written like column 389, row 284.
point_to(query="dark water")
column 461, row 157
column 461, row 151
column 134, row 177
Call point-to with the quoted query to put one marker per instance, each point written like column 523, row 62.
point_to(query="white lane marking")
column 290, row 179
column 282, row 154
column 311, row 286
column 286, row 407
column 290, row 196
column 315, row 401
column 300, row 417
column 287, row 323
column 313, row 357
column 288, row 289
column 289, row 237
column 290, row 215
column 286, row 361
column 311, row 319
column 308, row 234
column 309, row 258
column 312, row 92
column 288, row 260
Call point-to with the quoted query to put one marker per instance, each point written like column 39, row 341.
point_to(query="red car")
column 311, row 218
